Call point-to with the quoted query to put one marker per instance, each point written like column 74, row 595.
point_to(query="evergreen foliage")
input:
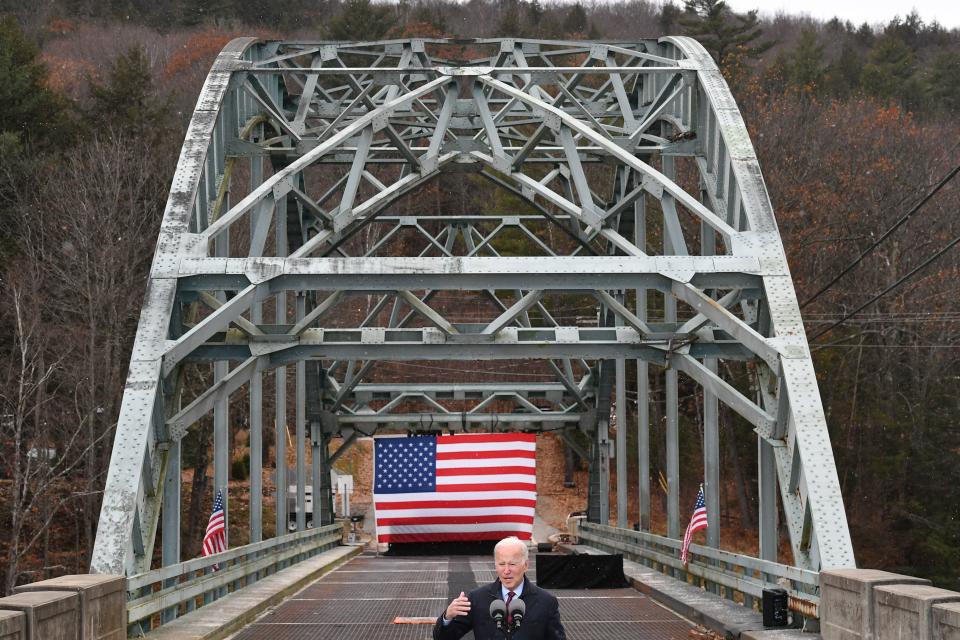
column 890, row 66
column 510, row 23
column 576, row 20
column 30, row 111
column 127, row 103
column 33, row 122
column 805, row 67
column 670, row 15
column 721, row 31
column 843, row 74
column 360, row 20
column 943, row 81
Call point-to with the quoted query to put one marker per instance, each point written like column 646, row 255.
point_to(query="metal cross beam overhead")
column 431, row 235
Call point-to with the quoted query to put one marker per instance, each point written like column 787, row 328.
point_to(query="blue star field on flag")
column 406, row 465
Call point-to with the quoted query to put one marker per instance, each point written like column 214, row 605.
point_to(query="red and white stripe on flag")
column 476, row 486
column 215, row 540
column 698, row 521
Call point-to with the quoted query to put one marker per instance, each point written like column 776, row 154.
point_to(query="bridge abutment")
column 77, row 607
column 13, row 625
column 866, row 604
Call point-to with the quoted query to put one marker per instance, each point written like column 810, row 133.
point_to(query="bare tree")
column 40, row 452
column 89, row 234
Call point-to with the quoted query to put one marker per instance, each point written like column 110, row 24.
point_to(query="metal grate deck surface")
column 360, row 600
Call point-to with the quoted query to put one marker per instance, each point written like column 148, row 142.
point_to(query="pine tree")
column 806, row 67
column 127, row 104
column 721, row 31
column 891, row 65
column 33, row 122
column 510, row 24
column 535, row 13
column 943, row 81
column 842, row 76
column 669, row 17
column 360, row 20
column 29, row 111
column 576, row 20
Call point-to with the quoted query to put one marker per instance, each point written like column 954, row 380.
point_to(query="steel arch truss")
column 643, row 198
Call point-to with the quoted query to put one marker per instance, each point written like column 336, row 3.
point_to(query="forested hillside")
column 854, row 125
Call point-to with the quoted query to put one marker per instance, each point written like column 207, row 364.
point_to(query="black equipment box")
column 774, row 605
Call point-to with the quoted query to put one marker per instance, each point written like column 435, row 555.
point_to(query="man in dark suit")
column 540, row 622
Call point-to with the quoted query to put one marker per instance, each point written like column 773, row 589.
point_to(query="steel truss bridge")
column 601, row 208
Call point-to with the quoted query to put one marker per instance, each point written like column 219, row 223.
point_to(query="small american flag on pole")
column 698, row 521
column 476, row 486
column 215, row 540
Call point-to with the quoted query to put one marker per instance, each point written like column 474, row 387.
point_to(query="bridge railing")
column 739, row 577
column 159, row 596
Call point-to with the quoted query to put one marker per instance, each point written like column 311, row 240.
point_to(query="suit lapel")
column 529, row 594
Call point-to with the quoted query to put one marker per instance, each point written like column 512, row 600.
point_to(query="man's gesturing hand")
column 459, row 607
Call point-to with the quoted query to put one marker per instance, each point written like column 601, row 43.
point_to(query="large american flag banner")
column 476, row 486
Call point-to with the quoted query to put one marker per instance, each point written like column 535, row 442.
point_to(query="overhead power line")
column 896, row 284
column 886, row 233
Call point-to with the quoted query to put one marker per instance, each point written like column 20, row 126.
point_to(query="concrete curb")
column 231, row 613
column 713, row 612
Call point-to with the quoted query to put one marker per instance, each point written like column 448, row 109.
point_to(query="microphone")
column 517, row 610
column 498, row 610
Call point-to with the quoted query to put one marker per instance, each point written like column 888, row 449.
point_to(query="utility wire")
column 896, row 284
column 886, row 233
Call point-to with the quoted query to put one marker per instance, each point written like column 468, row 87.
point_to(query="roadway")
column 363, row 599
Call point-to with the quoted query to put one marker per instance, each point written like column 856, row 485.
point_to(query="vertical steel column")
column 620, row 189
column 643, row 379
column 621, row 452
column 221, row 440
column 711, row 424
column 673, row 452
column 256, row 449
column 256, row 392
column 317, row 456
column 171, row 519
column 598, row 493
column 221, row 423
column 604, row 396
column 280, row 381
column 301, row 409
column 711, row 460
column 221, row 419
column 671, row 394
column 325, row 493
column 768, row 499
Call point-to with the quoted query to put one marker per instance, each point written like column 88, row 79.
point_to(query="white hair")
column 512, row 541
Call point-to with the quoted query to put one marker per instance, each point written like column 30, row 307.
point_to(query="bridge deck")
column 361, row 599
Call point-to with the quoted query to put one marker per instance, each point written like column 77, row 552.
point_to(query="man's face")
column 510, row 566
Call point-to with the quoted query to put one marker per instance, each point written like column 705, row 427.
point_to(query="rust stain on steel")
column 803, row 607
